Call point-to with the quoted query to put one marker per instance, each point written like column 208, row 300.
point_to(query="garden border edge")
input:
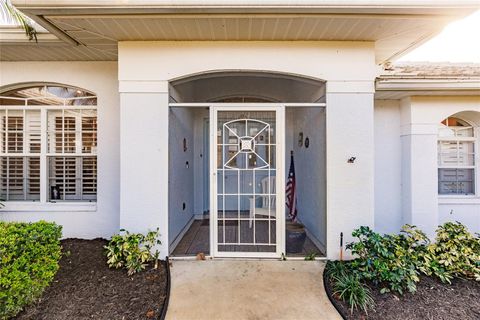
column 329, row 294
column 167, row 298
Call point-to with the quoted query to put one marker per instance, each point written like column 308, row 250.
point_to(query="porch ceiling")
column 91, row 32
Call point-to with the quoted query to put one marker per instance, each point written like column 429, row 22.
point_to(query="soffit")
column 395, row 30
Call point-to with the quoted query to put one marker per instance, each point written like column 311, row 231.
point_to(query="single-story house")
column 185, row 115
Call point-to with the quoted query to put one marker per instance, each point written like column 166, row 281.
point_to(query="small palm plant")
column 11, row 15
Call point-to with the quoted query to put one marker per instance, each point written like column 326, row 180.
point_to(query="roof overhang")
column 390, row 88
column 95, row 27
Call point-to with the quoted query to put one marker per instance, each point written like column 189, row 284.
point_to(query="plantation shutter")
column 70, row 148
column 20, row 175
column 89, row 177
column 456, row 158
column 33, row 131
column 74, row 132
column 89, row 134
column 33, row 143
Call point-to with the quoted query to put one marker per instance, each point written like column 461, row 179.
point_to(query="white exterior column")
column 144, row 157
column 419, row 170
column 350, row 186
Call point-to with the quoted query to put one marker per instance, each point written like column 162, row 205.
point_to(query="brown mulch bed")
column 85, row 288
column 433, row 300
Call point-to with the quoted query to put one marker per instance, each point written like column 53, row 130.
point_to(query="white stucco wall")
column 427, row 207
column 349, row 69
column 388, row 167
column 406, row 182
column 102, row 219
column 310, row 171
column 399, row 137
column 350, row 186
column 201, row 162
column 144, row 160
column 181, row 175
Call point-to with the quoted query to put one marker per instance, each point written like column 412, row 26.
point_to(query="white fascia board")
column 427, row 84
column 333, row 6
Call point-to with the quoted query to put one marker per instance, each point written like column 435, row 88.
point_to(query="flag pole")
column 290, row 191
column 291, row 155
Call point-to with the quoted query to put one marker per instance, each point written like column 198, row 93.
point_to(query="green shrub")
column 393, row 262
column 29, row 255
column 132, row 250
column 390, row 261
column 455, row 253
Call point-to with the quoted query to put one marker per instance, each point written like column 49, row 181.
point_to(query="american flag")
column 290, row 191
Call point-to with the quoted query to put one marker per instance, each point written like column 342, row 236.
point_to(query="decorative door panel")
column 247, row 165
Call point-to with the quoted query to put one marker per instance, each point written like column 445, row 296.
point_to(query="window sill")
column 472, row 199
column 66, row 206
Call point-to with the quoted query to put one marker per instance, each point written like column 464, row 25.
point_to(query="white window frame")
column 448, row 198
column 44, row 204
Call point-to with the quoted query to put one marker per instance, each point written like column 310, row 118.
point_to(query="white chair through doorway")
column 268, row 200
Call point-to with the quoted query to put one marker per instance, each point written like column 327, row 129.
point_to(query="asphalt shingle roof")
column 430, row 70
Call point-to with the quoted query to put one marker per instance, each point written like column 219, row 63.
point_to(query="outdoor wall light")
column 187, row 165
column 351, row 160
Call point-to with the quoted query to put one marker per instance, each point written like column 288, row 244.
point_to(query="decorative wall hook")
column 300, row 139
column 351, row 159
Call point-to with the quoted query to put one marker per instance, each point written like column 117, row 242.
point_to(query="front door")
column 247, row 180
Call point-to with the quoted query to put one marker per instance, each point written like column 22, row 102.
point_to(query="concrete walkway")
column 255, row 289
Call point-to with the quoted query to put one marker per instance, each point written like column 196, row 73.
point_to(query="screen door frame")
column 279, row 110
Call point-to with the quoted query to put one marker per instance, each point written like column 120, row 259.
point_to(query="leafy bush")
column 390, row 261
column 29, row 255
column 393, row 262
column 132, row 250
column 455, row 253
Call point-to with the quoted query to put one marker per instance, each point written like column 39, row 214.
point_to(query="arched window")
column 456, row 157
column 48, row 144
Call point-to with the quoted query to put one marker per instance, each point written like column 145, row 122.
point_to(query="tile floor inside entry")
column 196, row 240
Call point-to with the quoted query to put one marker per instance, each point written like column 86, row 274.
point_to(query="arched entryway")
column 247, row 86
column 231, row 136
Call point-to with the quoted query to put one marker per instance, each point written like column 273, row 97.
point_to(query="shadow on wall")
column 307, row 129
column 180, row 170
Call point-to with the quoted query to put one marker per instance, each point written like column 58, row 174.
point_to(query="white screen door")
column 247, row 180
